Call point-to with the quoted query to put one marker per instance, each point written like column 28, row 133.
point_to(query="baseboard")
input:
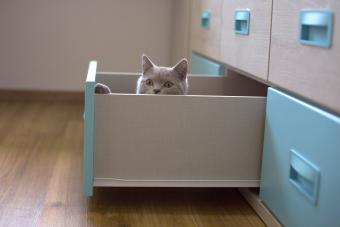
column 255, row 202
column 34, row 95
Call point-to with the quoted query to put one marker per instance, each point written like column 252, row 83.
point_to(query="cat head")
column 163, row 80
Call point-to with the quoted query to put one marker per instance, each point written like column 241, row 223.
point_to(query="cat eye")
column 149, row 82
column 168, row 84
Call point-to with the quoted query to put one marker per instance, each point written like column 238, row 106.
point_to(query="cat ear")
column 146, row 63
column 182, row 68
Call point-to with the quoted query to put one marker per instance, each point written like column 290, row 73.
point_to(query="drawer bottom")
column 116, row 182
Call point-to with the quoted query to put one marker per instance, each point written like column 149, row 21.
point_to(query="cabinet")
column 294, row 47
column 206, row 27
column 271, row 50
column 246, row 51
column 310, row 71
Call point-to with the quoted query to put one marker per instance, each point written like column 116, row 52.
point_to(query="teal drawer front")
column 300, row 181
column 202, row 65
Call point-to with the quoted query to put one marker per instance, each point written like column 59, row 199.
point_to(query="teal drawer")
column 300, row 181
column 202, row 65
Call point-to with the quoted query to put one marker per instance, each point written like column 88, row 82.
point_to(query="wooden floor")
column 41, row 145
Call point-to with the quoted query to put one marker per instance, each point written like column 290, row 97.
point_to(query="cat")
column 102, row 89
column 163, row 80
column 157, row 79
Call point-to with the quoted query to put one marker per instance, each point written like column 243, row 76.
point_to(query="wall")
column 180, row 30
column 46, row 45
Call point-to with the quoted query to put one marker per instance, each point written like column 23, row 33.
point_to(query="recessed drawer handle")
column 205, row 19
column 242, row 20
column 304, row 176
column 316, row 28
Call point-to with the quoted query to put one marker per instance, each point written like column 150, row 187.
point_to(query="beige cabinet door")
column 206, row 27
column 310, row 71
column 248, row 53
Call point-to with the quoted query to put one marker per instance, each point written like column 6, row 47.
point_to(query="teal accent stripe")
column 89, row 127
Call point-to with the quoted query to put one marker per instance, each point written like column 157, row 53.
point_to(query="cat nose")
column 156, row 91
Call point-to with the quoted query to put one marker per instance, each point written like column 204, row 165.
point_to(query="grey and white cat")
column 157, row 79
column 163, row 80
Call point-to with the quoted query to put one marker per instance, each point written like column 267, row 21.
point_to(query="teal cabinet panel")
column 242, row 21
column 300, row 179
column 203, row 65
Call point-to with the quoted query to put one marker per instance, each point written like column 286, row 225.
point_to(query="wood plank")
column 35, row 95
column 41, row 180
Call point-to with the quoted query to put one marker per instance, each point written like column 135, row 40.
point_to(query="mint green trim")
column 89, row 127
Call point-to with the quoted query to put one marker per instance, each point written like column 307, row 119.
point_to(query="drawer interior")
column 233, row 84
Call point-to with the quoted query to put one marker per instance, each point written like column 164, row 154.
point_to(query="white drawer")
column 211, row 137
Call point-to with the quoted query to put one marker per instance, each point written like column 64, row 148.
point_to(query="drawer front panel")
column 305, row 50
column 202, row 65
column 197, row 137
column 245, row 35
column 206, row 27
column 300, row 169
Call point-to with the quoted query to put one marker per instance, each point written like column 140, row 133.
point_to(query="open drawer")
column 211, row 137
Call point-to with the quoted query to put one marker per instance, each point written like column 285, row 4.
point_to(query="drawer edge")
column 117, row 182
